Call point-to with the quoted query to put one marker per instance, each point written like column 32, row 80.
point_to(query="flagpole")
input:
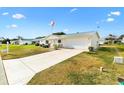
column 52, row 29
column 52, row 24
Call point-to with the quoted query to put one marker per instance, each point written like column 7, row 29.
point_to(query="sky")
column 32, row 22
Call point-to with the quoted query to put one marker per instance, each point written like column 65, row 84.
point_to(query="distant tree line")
column 59, row 33
column 39, row 37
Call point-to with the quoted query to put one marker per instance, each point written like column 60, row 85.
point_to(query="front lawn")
column 19, row 51
column 83, row 69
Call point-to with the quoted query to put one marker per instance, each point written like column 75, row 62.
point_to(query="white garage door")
column 78, row 43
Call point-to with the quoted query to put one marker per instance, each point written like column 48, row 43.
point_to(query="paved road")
column 20, row 71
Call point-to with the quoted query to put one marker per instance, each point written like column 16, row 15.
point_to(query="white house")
column 25, row 41
column 22, row 41
column 39, row 40
column 122, row 41
column 102, row 41
column 1, row 39
column 81, row 40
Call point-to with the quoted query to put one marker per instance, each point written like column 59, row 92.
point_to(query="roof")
column 28, row 39
column 38, row 39
column 23, row 39
column 84, row 34
column 73, row 35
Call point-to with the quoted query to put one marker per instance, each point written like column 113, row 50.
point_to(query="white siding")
column 122, row 40
column 76, row 41
column 95, row 41
column 22, row 42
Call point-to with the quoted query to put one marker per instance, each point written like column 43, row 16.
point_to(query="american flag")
column 52, row 23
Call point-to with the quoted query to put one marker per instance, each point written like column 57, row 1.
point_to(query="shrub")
column 106, row 43
column 59, row 45
column 26, row 44
column 37, row 44
column 55, row 46
column 91, row 49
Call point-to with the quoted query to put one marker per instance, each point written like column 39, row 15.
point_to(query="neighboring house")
column 81, row 40
column 1, row 39
column 122, row 41
column 0, row 42
column 102, row 41
column 39, row 40
column 25, row 41
column 22, row 41
column 111, row 39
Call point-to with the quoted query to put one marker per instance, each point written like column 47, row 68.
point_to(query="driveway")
column 20, row 71
column 3, row 79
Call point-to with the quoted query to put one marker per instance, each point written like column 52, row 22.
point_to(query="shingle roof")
column 74, row 35
column 83, row 33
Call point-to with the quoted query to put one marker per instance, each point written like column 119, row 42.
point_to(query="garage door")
column 76, row 43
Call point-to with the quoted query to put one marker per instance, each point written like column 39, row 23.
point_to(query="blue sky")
column 34, row 22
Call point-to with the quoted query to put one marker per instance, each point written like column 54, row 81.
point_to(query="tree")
column 14, row 39
column 39, row 37
column 19, row 37
column 8, row 40
column 5, row 41
column 59, row 33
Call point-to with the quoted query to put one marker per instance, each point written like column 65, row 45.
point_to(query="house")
column 1, row 39
column 81, row 40
column 25, row 41
column 102, row 41
column 122, row 40
column 38, row 40
column 111, row 39
column 21, row 41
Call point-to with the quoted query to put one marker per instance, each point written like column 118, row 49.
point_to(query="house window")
column 47, row 41
column 59, row 41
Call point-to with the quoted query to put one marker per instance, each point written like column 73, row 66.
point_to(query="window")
column 59, row 41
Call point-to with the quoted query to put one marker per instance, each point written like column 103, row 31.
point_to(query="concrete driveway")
column 3, row 79
column 20, row 71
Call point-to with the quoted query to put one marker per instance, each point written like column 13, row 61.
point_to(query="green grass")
column 83, row 69
column 19, row 51
column 105, row 54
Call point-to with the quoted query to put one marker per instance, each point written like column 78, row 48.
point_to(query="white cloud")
column 12, row 26
column 73, row 9
column 110, row 19
column 66, row 30
column 18, row 16
column 5, row 13
column 116, row 13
